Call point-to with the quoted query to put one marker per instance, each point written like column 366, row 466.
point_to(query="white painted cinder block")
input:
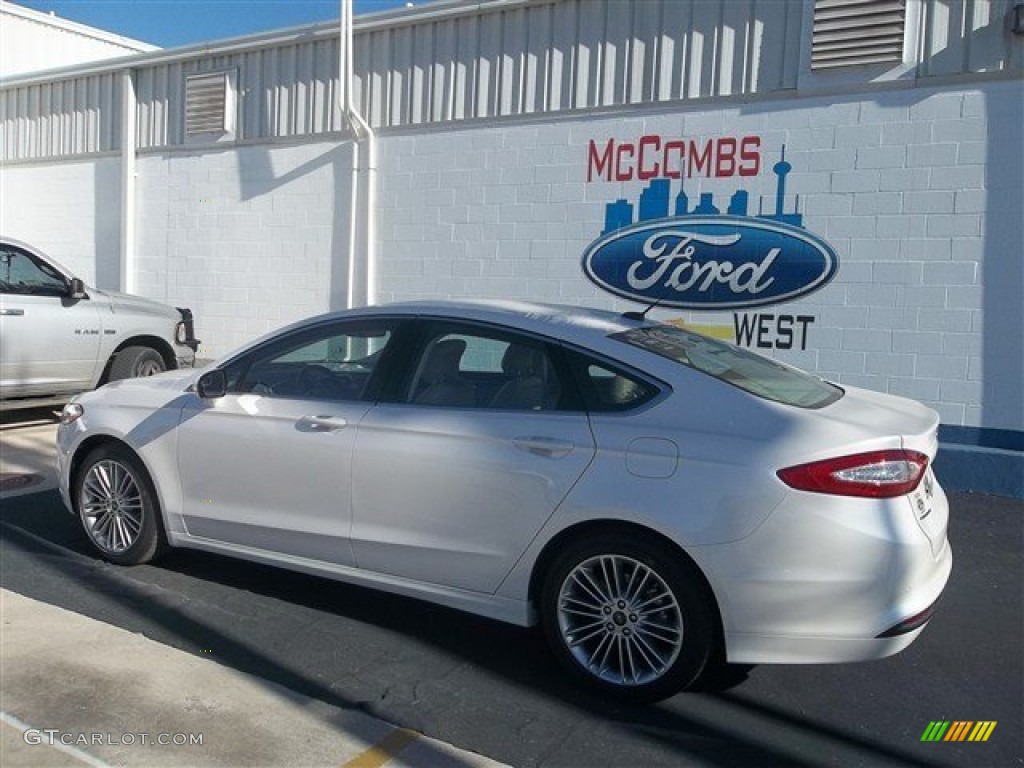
column 914, row 189
column 903, row 179
column 928, row 202
column 881, row 157
column 250, row 243
column 64, row 208
column 896, row 183
column 959, row 177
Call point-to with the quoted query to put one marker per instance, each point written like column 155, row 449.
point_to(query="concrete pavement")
column 80, row 692
column 495, row 689
column 75, row 691
column 27, row 463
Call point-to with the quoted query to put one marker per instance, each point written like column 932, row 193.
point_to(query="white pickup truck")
column 59, row 336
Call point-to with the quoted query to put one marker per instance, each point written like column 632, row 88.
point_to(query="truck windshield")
column 757, row 375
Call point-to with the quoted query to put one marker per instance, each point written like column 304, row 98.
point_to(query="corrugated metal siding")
column 959, row 36
column 65, row 117
column 287, row 90
column 575, row 54
column 545, row 56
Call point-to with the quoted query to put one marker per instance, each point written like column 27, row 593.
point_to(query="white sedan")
column 654, row 499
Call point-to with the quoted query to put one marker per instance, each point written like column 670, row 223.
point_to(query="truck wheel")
column 133, row 362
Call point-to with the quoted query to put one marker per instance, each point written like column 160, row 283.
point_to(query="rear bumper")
column 911, row 623
column 829, row 579
column 742, row 648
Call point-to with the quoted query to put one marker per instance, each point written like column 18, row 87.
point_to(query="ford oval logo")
column 710, row 262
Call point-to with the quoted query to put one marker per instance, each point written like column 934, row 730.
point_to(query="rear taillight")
column 877, row 475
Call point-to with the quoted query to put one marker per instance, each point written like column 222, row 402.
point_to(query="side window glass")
column 606, row 388
column 333, row 363
column 233, row 373
column 21, row 274
column 477, row 369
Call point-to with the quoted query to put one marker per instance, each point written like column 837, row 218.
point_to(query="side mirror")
column 76, row 290
column 212, row 384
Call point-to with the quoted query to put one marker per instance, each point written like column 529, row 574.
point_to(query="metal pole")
column 126, row 278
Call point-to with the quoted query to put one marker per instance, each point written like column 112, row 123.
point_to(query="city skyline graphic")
column 656, row 200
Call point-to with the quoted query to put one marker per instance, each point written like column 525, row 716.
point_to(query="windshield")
column 757, row 375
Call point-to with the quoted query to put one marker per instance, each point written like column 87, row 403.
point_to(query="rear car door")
column 461, row 465
column 49, row 342
column 267, row 467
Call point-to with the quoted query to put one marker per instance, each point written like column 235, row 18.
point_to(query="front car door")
column 457, row 471
column 49, row 342
column 267, row 466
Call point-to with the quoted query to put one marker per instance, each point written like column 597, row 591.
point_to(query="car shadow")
column 11, row 420
column 516, row 653
column 264, row 621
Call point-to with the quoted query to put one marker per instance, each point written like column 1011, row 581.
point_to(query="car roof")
column 528, row 312
column 587, row 327
column 558, row 320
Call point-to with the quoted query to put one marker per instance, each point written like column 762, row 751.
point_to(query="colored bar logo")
column 958, row 730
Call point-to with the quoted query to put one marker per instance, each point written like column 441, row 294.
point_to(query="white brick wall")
column 918, row 191
column 69, row 210
column 250, row 239
column 898, row 183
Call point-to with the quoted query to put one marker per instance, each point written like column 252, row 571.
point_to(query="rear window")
column 757, row 375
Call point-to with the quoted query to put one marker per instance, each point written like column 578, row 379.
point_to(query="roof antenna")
column 643, row 315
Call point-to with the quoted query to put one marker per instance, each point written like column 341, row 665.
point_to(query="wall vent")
column 852, row 32
column 209, row 103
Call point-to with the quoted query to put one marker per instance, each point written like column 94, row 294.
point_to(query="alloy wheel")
column 620, row 620
column 111, row 506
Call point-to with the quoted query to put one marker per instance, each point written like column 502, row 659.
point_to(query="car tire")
column 628, row 616
column 117, row 506
column 135, row 362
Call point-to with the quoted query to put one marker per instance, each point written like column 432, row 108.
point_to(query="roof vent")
column 852, row 32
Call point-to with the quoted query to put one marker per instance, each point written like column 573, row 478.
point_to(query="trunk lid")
column 876, row 414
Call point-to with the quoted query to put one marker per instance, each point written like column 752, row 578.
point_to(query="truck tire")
column 134, row 362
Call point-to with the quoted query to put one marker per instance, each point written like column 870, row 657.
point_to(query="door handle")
column 543, row 446
column 15, row 312
column 320, row 423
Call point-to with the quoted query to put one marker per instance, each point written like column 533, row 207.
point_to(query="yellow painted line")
column 383, row 751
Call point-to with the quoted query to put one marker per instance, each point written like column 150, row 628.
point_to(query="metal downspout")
column 126, row 273
column 363, row 137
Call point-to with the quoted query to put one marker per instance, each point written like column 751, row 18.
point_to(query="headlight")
column 72, row 412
